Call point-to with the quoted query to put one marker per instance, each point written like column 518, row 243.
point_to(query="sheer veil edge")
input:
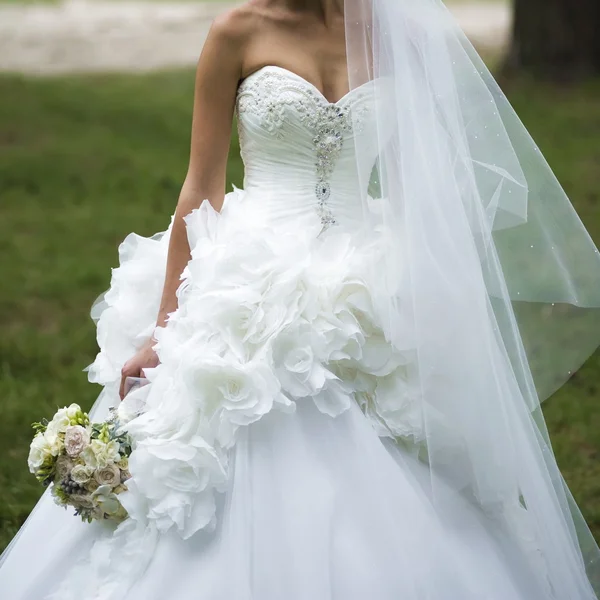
column 491, row 281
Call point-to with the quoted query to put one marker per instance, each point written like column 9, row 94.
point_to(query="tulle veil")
column 493, row 278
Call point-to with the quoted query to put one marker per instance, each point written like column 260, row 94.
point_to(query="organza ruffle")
column 278, row 328
column 268, row 316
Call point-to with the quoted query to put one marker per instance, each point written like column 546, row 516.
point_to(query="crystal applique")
column 272, row 92
column 332, row 122
column 323, row 190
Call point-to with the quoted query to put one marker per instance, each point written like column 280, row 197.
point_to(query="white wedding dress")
column 274, row 458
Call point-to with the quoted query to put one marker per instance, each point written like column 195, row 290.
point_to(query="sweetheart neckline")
column 314, row 88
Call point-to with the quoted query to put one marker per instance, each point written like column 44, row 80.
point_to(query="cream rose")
column 76, row 439
column 92, row 485
column 81, row 501
column 109, row 475
column 63, row 467
column 80, row 474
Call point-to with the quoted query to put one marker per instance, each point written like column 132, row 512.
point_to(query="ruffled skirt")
column 270, row 457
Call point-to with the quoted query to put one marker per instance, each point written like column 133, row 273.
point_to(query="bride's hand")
column 145, row 358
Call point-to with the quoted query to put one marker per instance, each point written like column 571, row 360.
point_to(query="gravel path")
column 123, row 35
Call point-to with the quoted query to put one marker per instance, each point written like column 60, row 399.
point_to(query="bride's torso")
column 299, row 149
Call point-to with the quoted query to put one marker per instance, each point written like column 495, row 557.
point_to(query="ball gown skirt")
column 274, row 457
column 317, row 504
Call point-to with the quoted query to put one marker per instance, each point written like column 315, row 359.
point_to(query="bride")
column 346, row 358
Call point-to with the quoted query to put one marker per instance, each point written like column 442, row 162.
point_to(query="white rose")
column 299, row 360
column 59, row 422
column 249, row 323
column 242, row 392
column 300, row 372
column 80, row 474
column 39, row 453
column 400, row 406
column 106, row 500
column 99, row 454
column 379, row 357
column 245, row 389
column 109, row 475
column 73, row 410
column 302, row 375
column 54, row 442
column 76, row 439
column 89, row 457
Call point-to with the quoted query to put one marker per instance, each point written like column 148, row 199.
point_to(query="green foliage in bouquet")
column 86, row 464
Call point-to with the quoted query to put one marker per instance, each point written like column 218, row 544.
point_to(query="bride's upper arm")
column 217, row 77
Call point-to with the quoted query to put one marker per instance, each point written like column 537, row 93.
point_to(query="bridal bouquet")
column 85, row 463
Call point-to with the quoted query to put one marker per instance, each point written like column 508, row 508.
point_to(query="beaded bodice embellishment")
column 332, row 123
column 272, row 92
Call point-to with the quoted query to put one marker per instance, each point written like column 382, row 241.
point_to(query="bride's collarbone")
column 332, row 91
column 327, row 74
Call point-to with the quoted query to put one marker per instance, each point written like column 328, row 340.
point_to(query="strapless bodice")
column 298, row 148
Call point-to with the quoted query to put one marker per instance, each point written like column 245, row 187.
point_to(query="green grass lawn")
column 85, row 160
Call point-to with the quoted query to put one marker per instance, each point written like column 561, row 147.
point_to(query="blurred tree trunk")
column 559, row 39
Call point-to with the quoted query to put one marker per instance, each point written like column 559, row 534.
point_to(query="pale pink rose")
column 76, row 439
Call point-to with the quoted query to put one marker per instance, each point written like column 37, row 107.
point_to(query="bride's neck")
column 327, row 10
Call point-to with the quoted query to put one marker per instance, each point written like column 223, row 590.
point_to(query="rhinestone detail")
column 272, row 92
column 333, row 122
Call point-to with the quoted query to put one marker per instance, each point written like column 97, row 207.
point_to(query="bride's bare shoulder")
column 235, row 34
column 225, row 47
column 237, row 25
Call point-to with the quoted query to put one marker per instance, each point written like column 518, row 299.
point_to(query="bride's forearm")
column 177, row 259
column 178, row 255
column 217, row 76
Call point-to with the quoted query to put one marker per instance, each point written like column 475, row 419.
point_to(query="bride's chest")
column 276, row 104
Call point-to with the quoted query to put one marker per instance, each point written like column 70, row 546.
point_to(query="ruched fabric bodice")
column 299, row 149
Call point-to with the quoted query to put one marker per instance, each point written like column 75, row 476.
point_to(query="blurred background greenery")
column 86, row 159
